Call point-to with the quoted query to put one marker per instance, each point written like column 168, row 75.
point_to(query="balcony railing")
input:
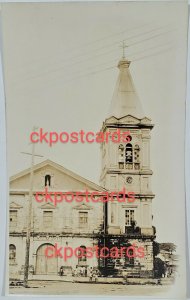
column 132, row 230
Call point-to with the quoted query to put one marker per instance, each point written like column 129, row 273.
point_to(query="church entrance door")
column 45, row 265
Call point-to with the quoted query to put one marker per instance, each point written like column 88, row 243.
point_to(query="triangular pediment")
column 83, row 206
column 124, row 120
column 62, row 179
column 111, row 120
column 14, row 205
column 47, row 206
column 145, row 121
column 129, row 120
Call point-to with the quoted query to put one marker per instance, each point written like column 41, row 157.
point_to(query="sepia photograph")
column 95, row 123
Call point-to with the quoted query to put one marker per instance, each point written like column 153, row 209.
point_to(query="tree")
column 169, row 247
column 156, row 248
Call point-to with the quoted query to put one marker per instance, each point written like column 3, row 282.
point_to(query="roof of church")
column 125, row 100
column 62, row 169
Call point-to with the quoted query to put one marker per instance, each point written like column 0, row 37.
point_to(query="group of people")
column 93, row 274
column 80, row 272
column 90, row 272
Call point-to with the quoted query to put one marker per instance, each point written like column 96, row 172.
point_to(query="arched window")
column 136, row 157
column 121, row 156
column 137, row 147
column 82, row 255
column 12, row 253
column 129, row 156
column 47, row 180
column 121, row 147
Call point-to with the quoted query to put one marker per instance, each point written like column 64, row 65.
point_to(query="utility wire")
column 84, row 53
column 95, row 56
column 112, row 67
column 153, row 54
column 116, row 61
column 114, row 43
column 82, row 47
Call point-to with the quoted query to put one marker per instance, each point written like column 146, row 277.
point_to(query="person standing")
column 90, row 274
column 96, row 275
column 61, row 271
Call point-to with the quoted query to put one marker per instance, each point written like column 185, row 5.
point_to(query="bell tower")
column 127, row 164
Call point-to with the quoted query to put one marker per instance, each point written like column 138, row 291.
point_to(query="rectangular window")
column 12, row 254
column 113, row 213
column 47, row 219
column 83, row 219
column 13, row 218
column 129, row 217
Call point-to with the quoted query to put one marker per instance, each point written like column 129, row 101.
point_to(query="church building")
column 113, row 223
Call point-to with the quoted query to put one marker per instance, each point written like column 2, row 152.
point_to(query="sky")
column 60, row 69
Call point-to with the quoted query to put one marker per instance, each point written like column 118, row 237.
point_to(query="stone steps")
column 166, row 280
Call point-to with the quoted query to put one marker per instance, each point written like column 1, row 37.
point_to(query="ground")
column 69, row 288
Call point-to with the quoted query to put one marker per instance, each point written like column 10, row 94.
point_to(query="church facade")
column 66, row 224
column 89, row 224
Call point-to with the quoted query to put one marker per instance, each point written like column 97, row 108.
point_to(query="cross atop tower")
column 123, row 49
